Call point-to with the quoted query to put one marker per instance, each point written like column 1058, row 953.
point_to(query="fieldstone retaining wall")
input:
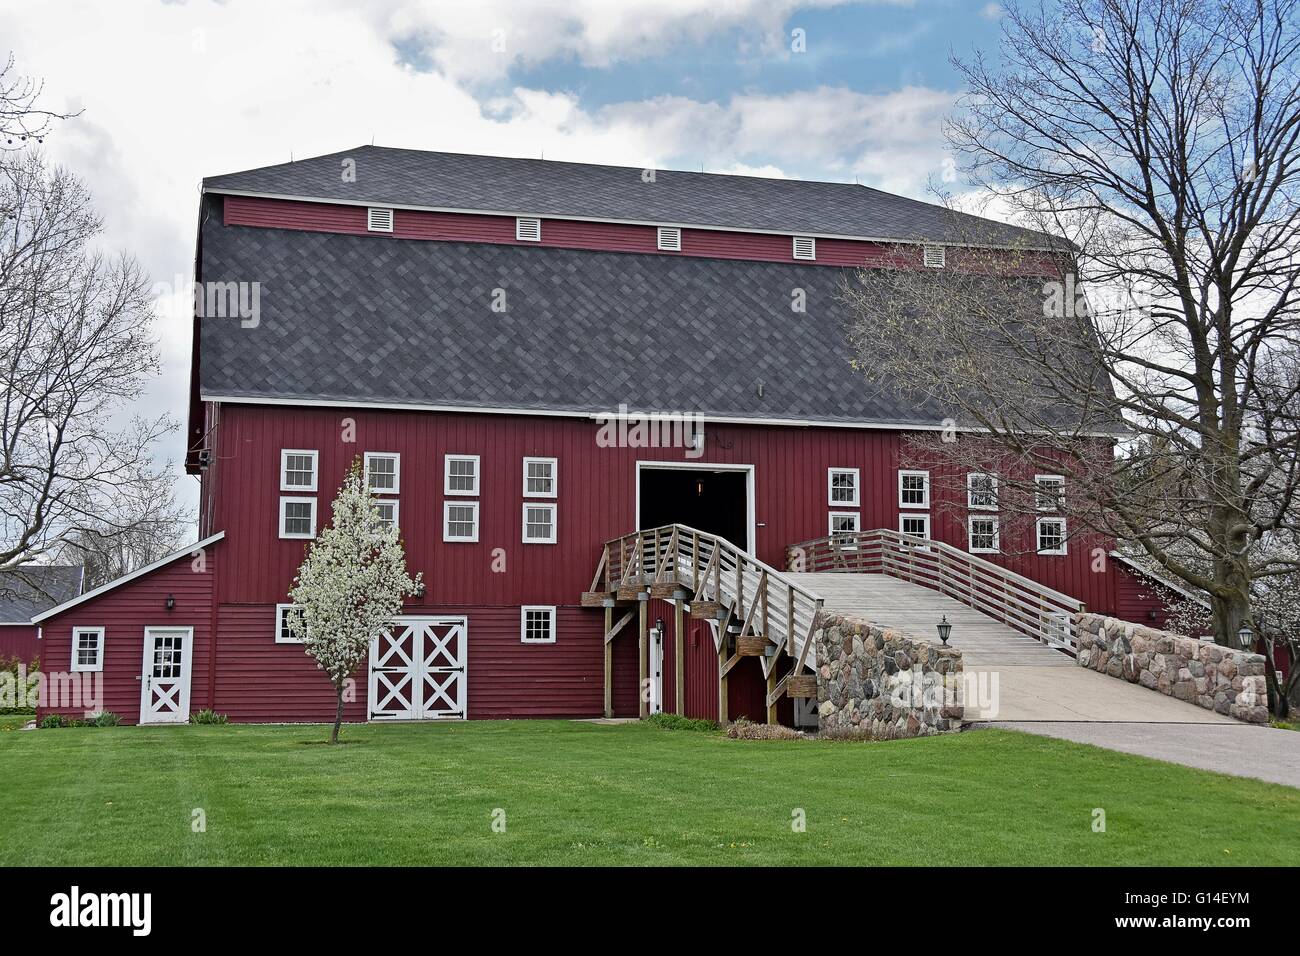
column 1199, row 672
column 875, row 680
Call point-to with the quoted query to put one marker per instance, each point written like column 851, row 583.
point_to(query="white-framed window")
column 842, row 486
column 539, row 523
column 541, row 478
column 460, row 521
column 982, row 534
column 981, row 492
column 297, row 517
column 1050, row 490
column 934, row 256
column 528, row 230
column 914, row 489
column 537, row 624
column 379, row 219
column 387, row 511
column 282, row 633
column 670, row 239
column 383, row 471
column 804, row 247
column 1051, row 535
column 298, row 469
column 916, row 526
column 842, row 524
column 460, row 475
column 87, row 648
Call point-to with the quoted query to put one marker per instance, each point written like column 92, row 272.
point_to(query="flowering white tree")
column 352, row 581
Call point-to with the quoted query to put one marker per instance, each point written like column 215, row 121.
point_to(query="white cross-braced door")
column 417, row 669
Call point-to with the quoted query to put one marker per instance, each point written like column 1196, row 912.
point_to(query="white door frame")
column 147, row 715
column 418, row 672
column 655, row 653
column 705, row 466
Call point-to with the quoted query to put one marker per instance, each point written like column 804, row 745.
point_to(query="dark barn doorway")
column 705, row 499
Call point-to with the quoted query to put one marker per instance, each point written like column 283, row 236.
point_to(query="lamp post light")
column 1246, row 636
column 944, row 629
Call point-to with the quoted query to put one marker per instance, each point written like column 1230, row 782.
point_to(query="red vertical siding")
column 578, row 234
column 488, row 581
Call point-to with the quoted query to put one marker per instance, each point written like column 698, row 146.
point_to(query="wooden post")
column 771, row 688
column 609, row 665
column 643, row 647
column 679, row 651
column 722, row 678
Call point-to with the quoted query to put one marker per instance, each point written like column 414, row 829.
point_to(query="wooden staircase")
column 753, row 609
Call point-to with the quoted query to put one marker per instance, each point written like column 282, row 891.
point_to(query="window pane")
column 461, row 474
column 540, row 478
column 298, row 470
column 381, row 473
column 297, row 517
column 538, row 524
column 460, row 521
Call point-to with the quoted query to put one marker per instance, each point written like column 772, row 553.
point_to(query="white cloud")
column 991, row 11
column 172, row 93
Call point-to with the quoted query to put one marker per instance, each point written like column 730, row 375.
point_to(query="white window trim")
column 446, row 475
column 279, row 617
column 812, row 248
column 555, row 528
column 1063, row 549
column 1060, row 497
column 396, row 506
column 397, row 472
column 925, row 506
column 669, row 239
column 906, row 516
column 970, row 491
column 446, row 520
column 523, row 622
column 297, row 500
column 315, row 468
column 99, row 654
column 555, row 478
column 519, row 222
column 857, row 486
column 997, row 534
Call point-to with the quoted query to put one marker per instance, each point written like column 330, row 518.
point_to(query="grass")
column 576, row 793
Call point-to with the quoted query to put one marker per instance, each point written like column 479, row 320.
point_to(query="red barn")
column 534, row 359
column 27, row 590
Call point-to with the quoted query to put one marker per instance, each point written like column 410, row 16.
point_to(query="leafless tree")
column 1160, row 138
column 22, row 122
column 76, row 347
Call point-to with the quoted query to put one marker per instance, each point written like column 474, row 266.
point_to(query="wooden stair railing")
column 1013, row 599
column 723, row 584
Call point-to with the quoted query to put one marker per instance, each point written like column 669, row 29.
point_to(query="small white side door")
column 656, row 671
column 165, row 675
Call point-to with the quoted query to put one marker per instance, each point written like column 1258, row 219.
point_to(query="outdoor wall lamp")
column 170, row 602
column 1246, row 636
column 944, row 629
column 659, row 625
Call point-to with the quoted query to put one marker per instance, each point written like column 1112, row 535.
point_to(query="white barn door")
column 417, row 669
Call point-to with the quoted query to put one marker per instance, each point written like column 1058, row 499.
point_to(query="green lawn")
column 578, row 793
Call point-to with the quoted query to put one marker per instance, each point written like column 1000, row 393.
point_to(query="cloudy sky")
column 173, row 91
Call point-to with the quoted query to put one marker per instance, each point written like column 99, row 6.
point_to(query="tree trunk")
column 1231, row 610
column 338, row 716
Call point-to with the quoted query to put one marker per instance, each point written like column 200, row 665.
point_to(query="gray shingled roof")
column 369, row 319
column 29, row 589
column 548, row 188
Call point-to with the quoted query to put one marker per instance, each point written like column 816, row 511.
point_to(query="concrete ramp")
column 1034, row 681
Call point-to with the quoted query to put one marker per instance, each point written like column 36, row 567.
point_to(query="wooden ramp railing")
column 766, row 612
column 1011, row 598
